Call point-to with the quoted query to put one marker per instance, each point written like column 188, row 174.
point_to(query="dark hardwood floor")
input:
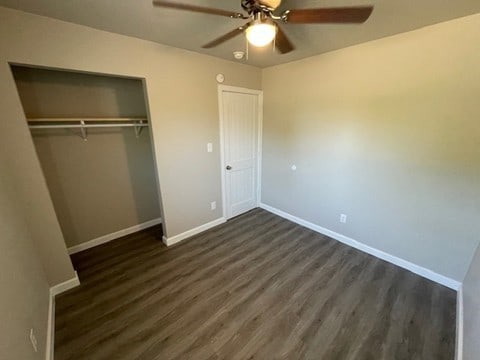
column 257, row 287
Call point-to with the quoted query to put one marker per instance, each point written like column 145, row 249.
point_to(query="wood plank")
column 257, row 286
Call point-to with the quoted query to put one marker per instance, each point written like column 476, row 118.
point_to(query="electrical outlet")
column 33, row 340
column 343, row 218
column 213, row 205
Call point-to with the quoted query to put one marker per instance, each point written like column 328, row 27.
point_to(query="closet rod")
column 106, row 119
column 83, row 126
column 77, row 126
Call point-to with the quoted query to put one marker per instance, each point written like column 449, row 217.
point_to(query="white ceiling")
column 138, row 18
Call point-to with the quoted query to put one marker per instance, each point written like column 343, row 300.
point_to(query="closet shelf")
column 84, row 123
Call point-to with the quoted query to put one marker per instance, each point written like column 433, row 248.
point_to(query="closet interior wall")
column 107, row 183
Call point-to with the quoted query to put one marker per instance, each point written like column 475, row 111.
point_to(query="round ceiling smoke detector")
column 238, row 55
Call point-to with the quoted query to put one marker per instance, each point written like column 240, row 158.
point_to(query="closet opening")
column 92, row 136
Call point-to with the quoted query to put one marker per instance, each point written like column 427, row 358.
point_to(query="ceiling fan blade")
column 358, row 14
column 282, row 43
column 200, row 9
column 227, row 36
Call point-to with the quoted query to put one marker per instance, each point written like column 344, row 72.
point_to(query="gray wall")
column 24, row 287
column 471, row 309
column 51, row 93
column 387, row 133
column 107, row 183
column 183, row 106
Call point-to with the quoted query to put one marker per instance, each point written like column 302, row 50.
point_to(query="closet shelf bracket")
column 83, row 130
column 139, row 128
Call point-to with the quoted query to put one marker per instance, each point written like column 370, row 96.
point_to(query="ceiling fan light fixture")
column 262, row 29
column 261, row 32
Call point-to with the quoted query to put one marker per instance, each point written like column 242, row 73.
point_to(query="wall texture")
column 50, row 93
column 30, row 192
column 182, row 95
column 471, row 309
column 100, row 186
column 387, row 133
column 24, row 287
column 107, row 183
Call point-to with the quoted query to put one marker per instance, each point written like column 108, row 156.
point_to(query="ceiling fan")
column 262, row 28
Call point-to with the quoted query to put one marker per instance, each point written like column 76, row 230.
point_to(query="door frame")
column 240, row 90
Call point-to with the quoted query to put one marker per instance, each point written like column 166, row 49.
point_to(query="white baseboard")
column 419, row 270
column 109, row 237
column 66, row 285
column 459, row 342
column 54, row 291
column 49, row 347
column 185, row 235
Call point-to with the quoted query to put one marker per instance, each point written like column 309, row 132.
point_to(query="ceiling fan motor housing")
column 255, row 6
column 249, row 6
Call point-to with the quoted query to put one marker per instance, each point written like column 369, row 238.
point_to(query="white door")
column 240, row 139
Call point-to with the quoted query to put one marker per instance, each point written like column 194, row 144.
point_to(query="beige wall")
column 100, row 186
column 107, row 183
column 24, row 287
column 183, row 106
column 387, row 133
column 471, row 301
column 50, row 93
column 182, row 94
column 31, row 192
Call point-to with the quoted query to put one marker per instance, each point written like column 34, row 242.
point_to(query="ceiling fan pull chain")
column 246, row 42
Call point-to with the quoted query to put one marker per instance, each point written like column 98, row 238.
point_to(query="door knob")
column 229, row 167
